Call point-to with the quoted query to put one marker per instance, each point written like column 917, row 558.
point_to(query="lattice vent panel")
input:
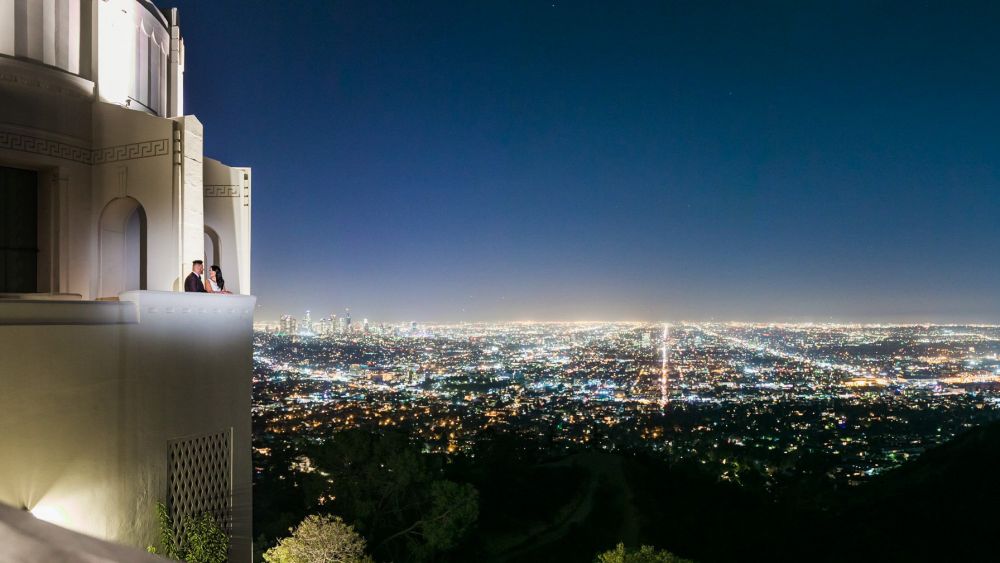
column 200, row 479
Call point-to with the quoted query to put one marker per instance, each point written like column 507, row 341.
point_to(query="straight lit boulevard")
column 757, row 404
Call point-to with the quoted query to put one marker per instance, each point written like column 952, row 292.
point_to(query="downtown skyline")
column 531, row 161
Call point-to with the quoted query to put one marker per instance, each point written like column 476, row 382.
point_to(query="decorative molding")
column 122, row 181
column 246, row 189
column 31, row 82
column 38, row 75
column 66, row 151
column 222, row 190
column 45, row 147
column 131, row 151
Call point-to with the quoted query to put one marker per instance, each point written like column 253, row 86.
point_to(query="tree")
column 395, row 495
column 645, row 554
column 319, row 539
column 453, row 509
column 203, row 541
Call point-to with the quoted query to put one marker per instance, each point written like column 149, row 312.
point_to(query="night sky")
column 611, row 161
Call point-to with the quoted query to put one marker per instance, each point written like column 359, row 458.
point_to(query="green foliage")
column 395, row 495
column 166, row 526
column 453, row 510
column 204, row 541
column 320, row 539
column 645, row 554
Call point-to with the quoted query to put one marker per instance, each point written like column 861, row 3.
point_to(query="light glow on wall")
column 115, row 52
column 51, row 513
column 75, row 506
column 132, row 56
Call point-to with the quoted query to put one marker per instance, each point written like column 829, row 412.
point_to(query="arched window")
column 212, row 254
column 122, row 238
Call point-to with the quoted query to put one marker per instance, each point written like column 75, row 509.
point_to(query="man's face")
column 199, row 268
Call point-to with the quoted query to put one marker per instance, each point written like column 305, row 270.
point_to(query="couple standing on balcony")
column 215, row 282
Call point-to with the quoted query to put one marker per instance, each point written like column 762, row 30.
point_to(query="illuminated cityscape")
column 754, row 403
column 608, row 282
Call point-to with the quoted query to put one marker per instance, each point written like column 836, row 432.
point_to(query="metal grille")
column 201, row 479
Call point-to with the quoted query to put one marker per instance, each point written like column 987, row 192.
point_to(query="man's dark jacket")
column 193, row 283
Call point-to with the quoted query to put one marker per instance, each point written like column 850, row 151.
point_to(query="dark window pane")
column 18, row 230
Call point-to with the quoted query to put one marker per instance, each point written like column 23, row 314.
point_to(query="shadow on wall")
column 122, row 239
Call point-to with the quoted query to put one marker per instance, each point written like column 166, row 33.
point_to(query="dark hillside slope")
column 945, row 505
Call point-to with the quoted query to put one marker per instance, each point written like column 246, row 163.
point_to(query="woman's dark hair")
column 218, row 277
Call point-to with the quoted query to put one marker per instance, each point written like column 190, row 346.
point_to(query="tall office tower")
column 334, row 323
column 117, row 389
column 307, row 325
column 289, row 325
column 364, row 325
column 413, row 327
column 343, row 324
column 347, row 315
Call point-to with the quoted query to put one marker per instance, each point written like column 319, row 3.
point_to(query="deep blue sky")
column 679, row 160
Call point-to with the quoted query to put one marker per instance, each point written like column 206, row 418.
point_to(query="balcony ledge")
column 44, row 309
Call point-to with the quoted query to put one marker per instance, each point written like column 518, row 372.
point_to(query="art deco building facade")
column 117, row 390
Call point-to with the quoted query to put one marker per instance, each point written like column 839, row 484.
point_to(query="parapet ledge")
column 175, row 304
column 131, row 306
column 46, row 311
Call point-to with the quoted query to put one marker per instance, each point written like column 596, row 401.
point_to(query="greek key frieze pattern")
column 46, row 147
column 57, row 149
column 222, row 190
column 131, row 151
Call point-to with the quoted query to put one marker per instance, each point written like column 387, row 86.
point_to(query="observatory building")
column 117, row 390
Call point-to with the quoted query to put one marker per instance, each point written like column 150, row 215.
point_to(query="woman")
column 216, row 283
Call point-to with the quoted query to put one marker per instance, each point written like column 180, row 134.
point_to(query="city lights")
column 763, row 398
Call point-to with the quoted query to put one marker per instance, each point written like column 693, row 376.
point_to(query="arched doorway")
column 122, row 238
column 212, row 253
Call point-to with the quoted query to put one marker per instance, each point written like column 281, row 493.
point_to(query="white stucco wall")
column 91, row 393
column 139, row 155
column 228, row 197
column 192, row 204
column 47, row 31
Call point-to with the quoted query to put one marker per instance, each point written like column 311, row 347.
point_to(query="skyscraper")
column 289, row 325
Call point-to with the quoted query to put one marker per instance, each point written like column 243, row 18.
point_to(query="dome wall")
column 123, row 46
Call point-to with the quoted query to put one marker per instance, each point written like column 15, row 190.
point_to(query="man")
column 193, row 281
